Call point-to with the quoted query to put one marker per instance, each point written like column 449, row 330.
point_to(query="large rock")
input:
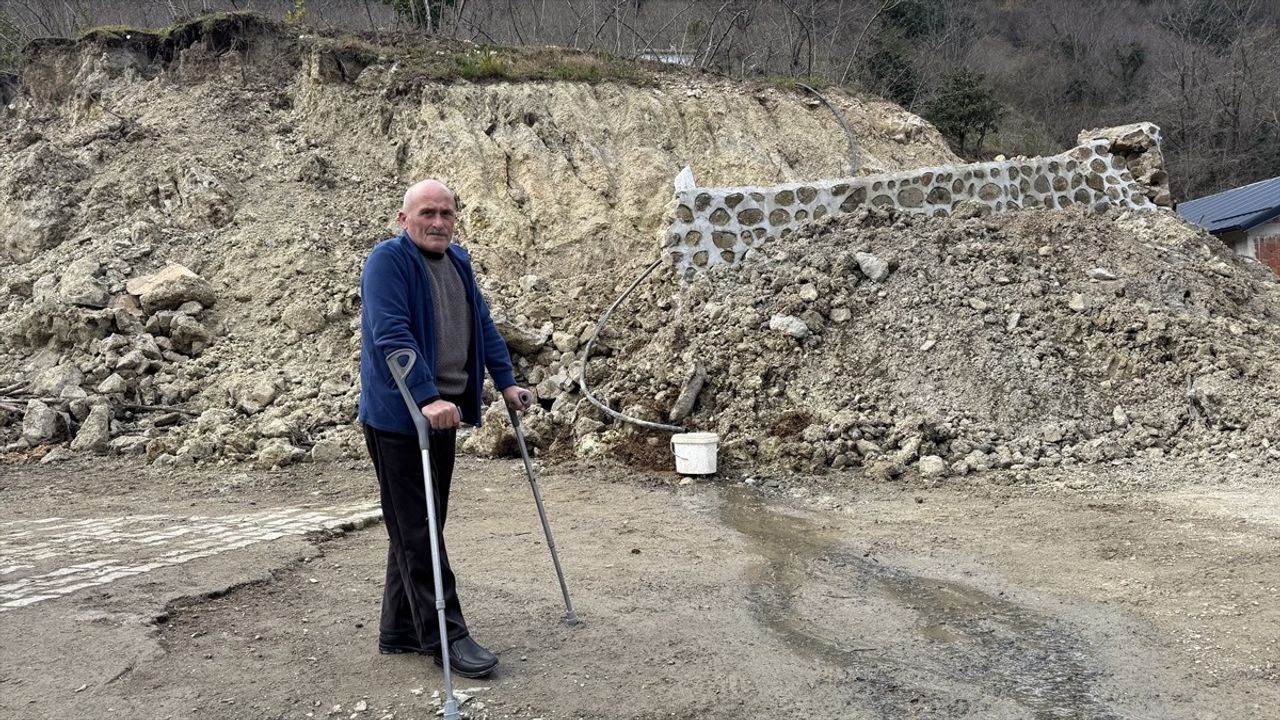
column 521, row 340
column 51, row 382
column 789, row 325
column 256, row 397
column 40, row 423
column 564, row 342
column 872, row 266
column 549, row 388
column 188, row 335
column 80, row 284
column 95, row 432
column 327, row 450
column 303, row 318
column 169, row 288
column 932, row 466
column 277, row 453
column 113, row 385
column 129, row 445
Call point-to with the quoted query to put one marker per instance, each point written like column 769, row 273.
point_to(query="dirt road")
column 1122, row 592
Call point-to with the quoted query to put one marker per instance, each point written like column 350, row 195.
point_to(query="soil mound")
column 184, row 212
column 1037, row 338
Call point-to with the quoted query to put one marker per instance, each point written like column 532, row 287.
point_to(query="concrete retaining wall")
column 715, row 226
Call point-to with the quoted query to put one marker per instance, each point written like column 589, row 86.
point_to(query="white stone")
column 564, row 342
column 39, row 423
column 170, row 287
column 932, row 466
column 277, row 453
column 129, row 445
column 256, row 397
column 95, row 432
column 276, row 428
column 589, row 446
column 684, row 179
column 326, row 451
column 872, row 266
column 51, row 382
column 789, row 325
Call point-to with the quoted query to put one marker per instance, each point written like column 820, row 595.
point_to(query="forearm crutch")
column 570, row 616
column 400, row 371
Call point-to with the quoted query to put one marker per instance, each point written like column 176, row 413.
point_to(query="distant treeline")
column 995, row 76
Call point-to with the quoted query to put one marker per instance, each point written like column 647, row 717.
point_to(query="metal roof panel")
column 1241, row 208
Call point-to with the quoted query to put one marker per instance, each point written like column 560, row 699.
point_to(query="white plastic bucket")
column 695, row 452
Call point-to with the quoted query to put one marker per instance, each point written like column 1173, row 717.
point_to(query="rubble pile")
column 184, row 214
column 947, row 345
column 874, row 341
column 145, row 365
column 181, row 284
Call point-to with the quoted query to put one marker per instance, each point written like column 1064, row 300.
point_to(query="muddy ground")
column 1127, row 591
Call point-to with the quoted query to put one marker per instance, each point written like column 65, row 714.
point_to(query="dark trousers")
column 409, row 598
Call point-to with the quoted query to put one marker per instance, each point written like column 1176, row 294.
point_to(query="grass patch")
column 786, row 82
column 212, row 22
column 520, row 64
column 422, row 57
column 484, row 64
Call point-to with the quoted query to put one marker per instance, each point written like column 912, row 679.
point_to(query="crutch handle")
column 399, row 373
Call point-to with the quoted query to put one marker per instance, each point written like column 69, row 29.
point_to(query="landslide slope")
column 269, row 161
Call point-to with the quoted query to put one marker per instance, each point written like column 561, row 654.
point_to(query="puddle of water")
column 939, row 633
column 975, row 638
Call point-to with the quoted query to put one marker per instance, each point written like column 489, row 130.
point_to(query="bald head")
column 428, row 215
column 428, row 187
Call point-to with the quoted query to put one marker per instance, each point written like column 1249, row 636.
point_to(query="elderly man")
column 419, row 292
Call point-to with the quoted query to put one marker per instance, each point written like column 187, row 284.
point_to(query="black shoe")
column 468, row 658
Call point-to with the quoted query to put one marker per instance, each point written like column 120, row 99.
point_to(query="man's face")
column 429, row 217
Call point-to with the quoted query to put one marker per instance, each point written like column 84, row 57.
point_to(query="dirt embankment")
column 268, row 162
column 1039, row 338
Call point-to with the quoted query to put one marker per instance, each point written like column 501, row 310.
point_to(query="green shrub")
column 484, row 64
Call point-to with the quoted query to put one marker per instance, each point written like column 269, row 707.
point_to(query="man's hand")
column 517, row 398
column 442, row 415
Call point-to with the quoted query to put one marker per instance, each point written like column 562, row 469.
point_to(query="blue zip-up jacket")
column 396, row 312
